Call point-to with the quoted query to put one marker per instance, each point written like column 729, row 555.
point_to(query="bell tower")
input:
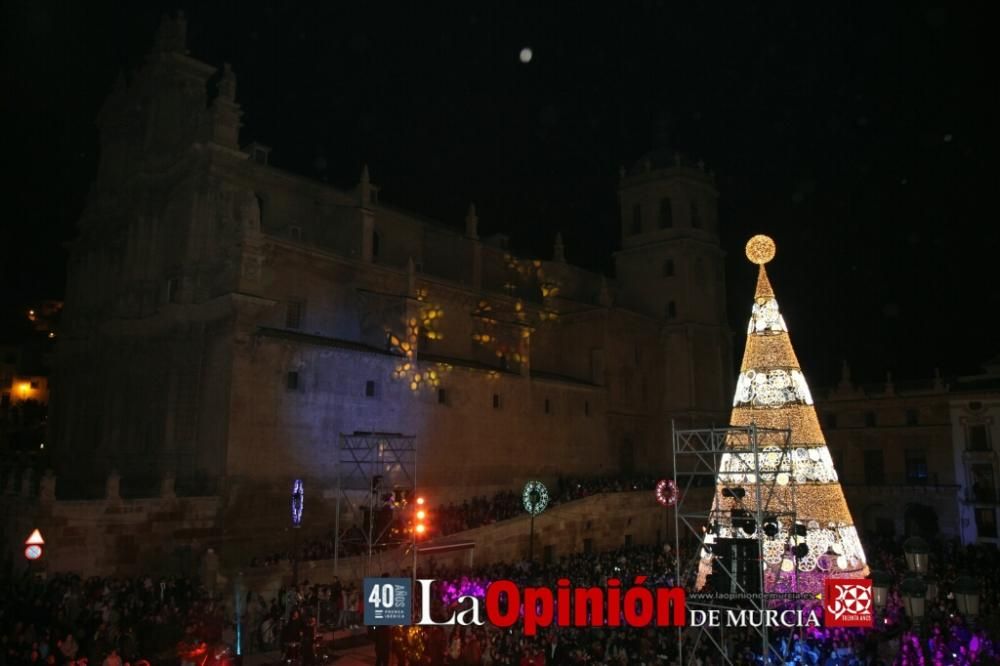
column 671, row 267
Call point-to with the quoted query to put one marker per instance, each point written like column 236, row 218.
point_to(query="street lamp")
column 914, row 592
column 967, row 595
column 916, row 550
column 881, row 580
column 932, row 588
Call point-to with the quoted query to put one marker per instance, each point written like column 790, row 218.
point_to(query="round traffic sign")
column 33, row 552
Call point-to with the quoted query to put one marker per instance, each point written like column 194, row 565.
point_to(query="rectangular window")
column 292, row 381
column 588, row 546
column 547, row 406
column 986, row 523
column 695, row 215
column 295, row 233
column 912, row 417
column 870, row 421
column 442, row 397
column 983, row 483
column 586, row 408
column 293, row 314
column 369, row 389
column 636, row 219
column 978, row 437
column 666, row 213
column 496, row 401
column 671, row 310
column 874, row 468
column 548, row 554
column 916, row 467
column 628, row 540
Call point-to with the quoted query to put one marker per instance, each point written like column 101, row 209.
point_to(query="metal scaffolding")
column 751, row 463
column 371, row 465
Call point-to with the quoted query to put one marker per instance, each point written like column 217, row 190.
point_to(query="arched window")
column 668, row 268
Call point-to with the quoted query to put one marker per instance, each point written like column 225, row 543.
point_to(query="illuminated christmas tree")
column 818, row 540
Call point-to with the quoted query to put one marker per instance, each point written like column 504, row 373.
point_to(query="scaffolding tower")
column 371, row 465
column 751, row 473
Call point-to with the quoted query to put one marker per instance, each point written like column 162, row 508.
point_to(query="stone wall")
column 607, row 520
column 110, row 536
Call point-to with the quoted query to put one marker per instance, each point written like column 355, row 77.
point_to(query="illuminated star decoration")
column 298, row 502
column 535, row 497
column 666, row 492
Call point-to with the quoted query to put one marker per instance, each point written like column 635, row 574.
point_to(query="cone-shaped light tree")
column 771, row 392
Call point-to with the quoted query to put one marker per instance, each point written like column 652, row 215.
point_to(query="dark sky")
column 859, row 135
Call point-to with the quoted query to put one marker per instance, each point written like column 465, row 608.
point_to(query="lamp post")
column 535, row 497
column 916, row 550
column 881, row 580
column 967, row 595
column 932, row 588
column 914, row 591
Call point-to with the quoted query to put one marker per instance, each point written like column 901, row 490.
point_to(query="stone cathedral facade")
column 226, row 321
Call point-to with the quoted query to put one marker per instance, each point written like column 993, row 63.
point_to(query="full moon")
column 526, row 55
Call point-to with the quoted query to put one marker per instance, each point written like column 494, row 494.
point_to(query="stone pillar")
column 367, row 235
column 112, row 487
column 47, row 488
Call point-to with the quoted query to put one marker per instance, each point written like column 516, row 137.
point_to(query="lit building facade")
column 917, row 458
column 226, row 321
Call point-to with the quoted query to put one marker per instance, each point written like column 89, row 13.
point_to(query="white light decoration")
column 298, row 502
column 666, row 492
column 772, row 392
column 535, row 497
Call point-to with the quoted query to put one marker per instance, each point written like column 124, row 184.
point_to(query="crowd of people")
column 72, row 621
column 446, row 519
column 103, row 621
column 943, row 638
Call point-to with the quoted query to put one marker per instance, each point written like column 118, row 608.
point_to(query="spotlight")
column 771, row 526
column 742, row 520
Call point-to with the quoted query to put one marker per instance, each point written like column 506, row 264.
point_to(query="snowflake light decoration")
column 535, row 497
column 666, row 492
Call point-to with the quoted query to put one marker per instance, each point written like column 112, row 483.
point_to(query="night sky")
column 861, row 137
